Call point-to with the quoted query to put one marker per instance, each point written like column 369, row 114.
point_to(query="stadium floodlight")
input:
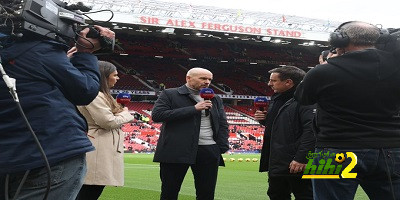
column 168, row 30
column 277, row 41
column 266, row 39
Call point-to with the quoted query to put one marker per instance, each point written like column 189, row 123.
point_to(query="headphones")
column 340, row 39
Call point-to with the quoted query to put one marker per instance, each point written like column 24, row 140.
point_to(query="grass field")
column 236, row 181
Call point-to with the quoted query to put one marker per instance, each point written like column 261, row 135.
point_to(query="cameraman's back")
column 362, row 99
column 358, row 94
column 358, row 98
column 49, row 86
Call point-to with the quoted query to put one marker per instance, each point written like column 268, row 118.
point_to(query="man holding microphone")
column 194, row 134
column 288, row 137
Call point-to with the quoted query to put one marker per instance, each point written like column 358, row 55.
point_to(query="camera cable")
column 10, row 82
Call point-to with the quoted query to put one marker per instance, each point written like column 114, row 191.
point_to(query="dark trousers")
column 281, row 187
column 204, row 171
column 90, row 192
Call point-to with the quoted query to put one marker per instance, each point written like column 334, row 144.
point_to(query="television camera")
column 389, row 40
column 52, row 19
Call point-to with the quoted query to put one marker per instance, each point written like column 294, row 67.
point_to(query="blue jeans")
column 373, row 172
column 66, row 180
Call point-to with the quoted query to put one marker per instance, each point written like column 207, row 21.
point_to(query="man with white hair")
column 190, row 137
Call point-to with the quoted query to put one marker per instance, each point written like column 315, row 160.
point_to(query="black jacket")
column 291, row 138
column 277, row 101
column 179, row 135
column 358, row 97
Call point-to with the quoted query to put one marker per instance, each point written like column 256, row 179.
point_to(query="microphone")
column 123, row 98
column 207, row 94
column 260, row 103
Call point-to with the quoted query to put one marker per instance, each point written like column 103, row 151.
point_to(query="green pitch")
column 236, row 181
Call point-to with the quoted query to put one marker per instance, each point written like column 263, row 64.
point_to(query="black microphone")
column 207, row 94
column 260, row 103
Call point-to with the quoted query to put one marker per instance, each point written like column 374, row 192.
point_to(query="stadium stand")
column 151, row 60
column 128, row 82
column 142, row 136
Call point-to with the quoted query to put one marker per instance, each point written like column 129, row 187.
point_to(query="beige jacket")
column 105, row 165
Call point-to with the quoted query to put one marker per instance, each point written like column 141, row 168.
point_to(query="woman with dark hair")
column 105, row 165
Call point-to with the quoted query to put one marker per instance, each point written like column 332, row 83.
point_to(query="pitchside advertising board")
column 327, row 165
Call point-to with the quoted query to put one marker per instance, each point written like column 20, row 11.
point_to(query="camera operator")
column 50, row 86
column 358, row 98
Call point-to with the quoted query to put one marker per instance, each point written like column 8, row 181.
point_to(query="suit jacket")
column 105, row 165
column 179, row 137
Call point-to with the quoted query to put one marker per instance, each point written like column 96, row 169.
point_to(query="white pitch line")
column 128, row 165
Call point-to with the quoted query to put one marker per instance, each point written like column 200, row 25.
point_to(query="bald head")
column 197, row 70
column 198, row 78
column 361, row 33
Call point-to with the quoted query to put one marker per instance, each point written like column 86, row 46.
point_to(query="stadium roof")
column 207, row 18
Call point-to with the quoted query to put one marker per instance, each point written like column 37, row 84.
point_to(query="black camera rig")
column 52, row 19
column 389, row 40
